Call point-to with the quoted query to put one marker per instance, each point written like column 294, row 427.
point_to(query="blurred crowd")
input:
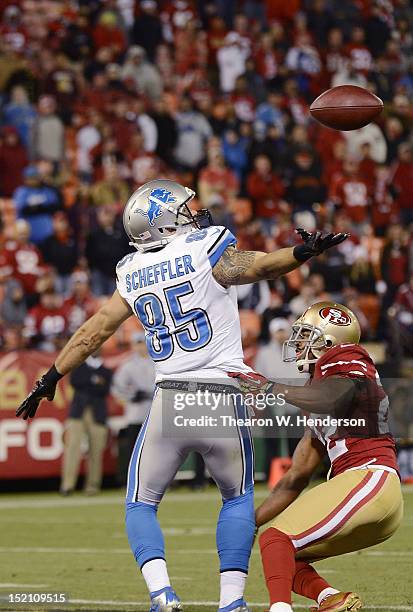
column 99, row 96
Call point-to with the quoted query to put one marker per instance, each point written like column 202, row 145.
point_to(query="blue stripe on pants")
column 246, row 445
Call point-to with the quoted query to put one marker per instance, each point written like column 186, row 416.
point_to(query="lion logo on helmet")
column 157, row 197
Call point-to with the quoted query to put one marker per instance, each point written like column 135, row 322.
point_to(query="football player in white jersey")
column 180, row 283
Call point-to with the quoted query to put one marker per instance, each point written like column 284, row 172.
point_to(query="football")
column 346, row 107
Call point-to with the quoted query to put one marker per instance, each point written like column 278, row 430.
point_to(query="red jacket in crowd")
column 265, row 192
column 24, row 262
column 403, row 182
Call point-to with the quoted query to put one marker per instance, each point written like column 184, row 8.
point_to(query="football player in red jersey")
column 361, row 504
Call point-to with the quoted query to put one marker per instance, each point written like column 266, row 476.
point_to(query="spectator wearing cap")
column 142, row 73
column 20, row 113
column 87, row 417
column 61, row 251
column 48, row 138
column 108, row 34
column 105, row 246
column 13, row 160
column 135, row 393
column 147, row 28
column 36, row 203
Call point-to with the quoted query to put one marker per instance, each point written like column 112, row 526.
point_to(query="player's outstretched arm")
column 306, row 458
column 88, row 338
column 242, row 267
column 332, row 395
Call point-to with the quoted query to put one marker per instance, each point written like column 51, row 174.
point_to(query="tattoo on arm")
column 232, row 266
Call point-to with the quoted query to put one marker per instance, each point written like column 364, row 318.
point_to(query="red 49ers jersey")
column 26, row 262
column 363, row 435
column 48, row 323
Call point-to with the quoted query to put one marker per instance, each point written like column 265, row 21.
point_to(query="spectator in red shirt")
column 266, row 58
column 25, row 259
column 265, row 189
column 12, row 31
column 403, row 182
column 107, row 33
column 350, row 192
column 243, row 100
column 217, row 183
column 359, row 54
column 46, row 324
column 13, row 160
column 385, row 209
column 394, row 263
column 81, row 304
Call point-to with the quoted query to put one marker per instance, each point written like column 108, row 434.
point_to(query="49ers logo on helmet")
column 336, row 316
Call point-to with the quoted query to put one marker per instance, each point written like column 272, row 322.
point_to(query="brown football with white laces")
column 346, row 107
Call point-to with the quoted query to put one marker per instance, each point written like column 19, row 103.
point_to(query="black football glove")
column 45, row 387
column 315, row 243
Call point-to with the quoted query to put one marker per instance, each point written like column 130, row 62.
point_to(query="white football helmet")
column 158, row 212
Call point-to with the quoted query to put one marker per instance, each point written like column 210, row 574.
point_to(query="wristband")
column 52, row 376
column 301, row 253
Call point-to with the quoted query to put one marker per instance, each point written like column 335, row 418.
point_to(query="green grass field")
column 77, row 545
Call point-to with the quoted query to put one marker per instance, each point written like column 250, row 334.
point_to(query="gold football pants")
column 354, row 510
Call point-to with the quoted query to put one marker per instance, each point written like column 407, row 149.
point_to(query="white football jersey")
column 191, row 322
